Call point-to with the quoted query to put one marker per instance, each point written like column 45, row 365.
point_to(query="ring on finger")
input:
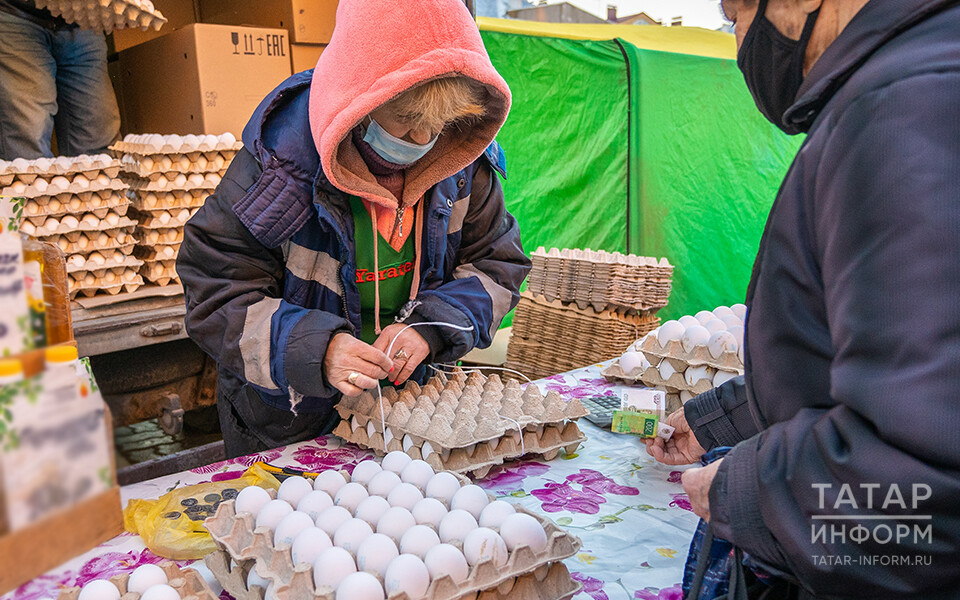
column 353, row 378
column 400, row 356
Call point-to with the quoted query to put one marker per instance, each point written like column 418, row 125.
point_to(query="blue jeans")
column 54, row 79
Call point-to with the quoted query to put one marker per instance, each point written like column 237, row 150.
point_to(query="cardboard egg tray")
column 188, row 583
column 157, row 252
column 96, row 262
column 176, row 181
column 28, row 171
column 106, row 15
column 66, row 226
column 600, row 279
column 237, row 538
column 155, row 144
column 109, row 281
column 163, row 235
column 215, row 161
column 677, row 382
column 680, row 358
column 122, row 240
column 35, row 208
column 163, row 219
column 92, row 217
column 169, row 200
column 60, row 186
column 160, row 272
column 540, row 345
column 463, row 424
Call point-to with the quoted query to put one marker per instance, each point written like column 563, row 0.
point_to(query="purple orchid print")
column 114, row 563
column 43, row 587
column 266, row 456
column 600, row 484
column 556, row 497
column 675, row 477
column 510, row 478
column 581, row 388
column 670, row 593
column 681, row 501
column 315, row 458
column 592, row 586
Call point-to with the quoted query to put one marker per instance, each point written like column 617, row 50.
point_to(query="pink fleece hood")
column 379, row 49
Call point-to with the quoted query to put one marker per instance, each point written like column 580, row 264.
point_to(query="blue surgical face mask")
column 393, row 149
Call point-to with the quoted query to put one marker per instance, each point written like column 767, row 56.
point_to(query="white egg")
column 331, row 519
column 689, row 321
column 101, row 589
column 686, row 396
column 351, row 534
column 447, row 560
column 375, row 554
column 456, row 525
column 290, row 527
column 396, row 461
column 669, row 331
column 365, row 471
column 210, row 140
column 693, row 375
column 309, row 545
column 272, row 513
column 495, row 512
column 633, row 362
column 740, row 353
column 740, row 310
column 251, row 499
column 383, row 483
column 350, row 496
column 332, row 566
column 523, row 530
column 371, row 509
column 443, row 486
column 418, row 540
column 737, row 332
column 704, row 317
column 418, row 473
column 395, row 522
column 715, row 325
column 429, row 511
column 720, row 342
column 732, row 321
column 405, row 495
column 484, row 544
column 315, row 503
column 293, row 490
column 145, row 576
column 471, row 498
column 329, row 482
column 227, row 139
column 191, row 141
column 721, row 377
column 360, row 586
column 407, row 574
column 161, row 591
column 722, row 311
column 694, row 336
column 666, row 369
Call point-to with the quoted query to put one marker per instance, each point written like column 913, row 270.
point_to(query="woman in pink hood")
column 366, row 193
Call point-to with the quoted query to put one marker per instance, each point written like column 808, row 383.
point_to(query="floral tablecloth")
column 630, row 512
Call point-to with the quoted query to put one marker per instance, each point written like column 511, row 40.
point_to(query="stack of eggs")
column 78, row 204
column 463, row 424
column 106, row 15
column 688, row 356
column 151, row 582
column 170, row 177
column 396, row 529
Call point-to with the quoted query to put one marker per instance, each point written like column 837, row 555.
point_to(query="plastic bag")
column 172, row 525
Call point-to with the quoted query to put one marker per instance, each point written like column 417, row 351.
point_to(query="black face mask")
column 772, row 65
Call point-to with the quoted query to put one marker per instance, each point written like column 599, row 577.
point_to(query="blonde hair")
column 439, row 102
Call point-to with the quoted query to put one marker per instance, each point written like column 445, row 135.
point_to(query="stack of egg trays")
column 526, row 576
column 106, row 15
column 78, row 204
column 601, row 279
column 187, row 582
column 463, row 424
column 680, row 360
column 170, row 177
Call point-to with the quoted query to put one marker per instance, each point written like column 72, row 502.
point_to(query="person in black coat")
column 844, row 477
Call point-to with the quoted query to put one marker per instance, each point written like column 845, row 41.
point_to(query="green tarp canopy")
column 622, row 148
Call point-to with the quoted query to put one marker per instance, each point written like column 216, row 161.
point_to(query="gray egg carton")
column 188, row 583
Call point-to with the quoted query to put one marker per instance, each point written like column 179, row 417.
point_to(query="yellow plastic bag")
column 172, row 525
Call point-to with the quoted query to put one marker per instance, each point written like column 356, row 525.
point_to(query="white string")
column 383, row 420
column 478, row 369
column 523, row 450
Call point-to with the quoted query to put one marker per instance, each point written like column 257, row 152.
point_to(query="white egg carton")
column 161, row 235
column 157, row 252
column 28, row 171
column 163, row 219
column 70, row 224
column 213, row 161
column 121, row 239
column 677, row 382
column 236, row 535
column 463, row 424
column 153, row 144
column 110, row 281
column 176, row 181
column 92, row 217
column 169, row 200
column 92, row 202
column 187, row 582
column 107, row 15
column 97, row 262
column 61, row 185
column 160, row 272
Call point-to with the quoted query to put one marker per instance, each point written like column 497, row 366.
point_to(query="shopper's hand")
column 696, row 483
column 414, row 347
column 347, row 355
column 681, row 449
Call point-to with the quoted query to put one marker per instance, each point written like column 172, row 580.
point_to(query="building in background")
column 564, row 12
column 498, row 9
column 637, row 19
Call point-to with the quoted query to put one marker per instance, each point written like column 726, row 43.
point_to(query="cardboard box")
column 308, row 21
column 304, row 57
column 179, row 14
column 203, row 79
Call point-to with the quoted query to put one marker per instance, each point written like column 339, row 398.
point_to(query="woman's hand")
column 681, row 449
column 415, row 350
column 347, row 355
